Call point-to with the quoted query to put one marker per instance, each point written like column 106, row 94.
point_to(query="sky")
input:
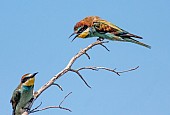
column 34, row 38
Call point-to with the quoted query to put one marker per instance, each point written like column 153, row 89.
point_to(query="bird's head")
column 28, row 79
column 81, row 30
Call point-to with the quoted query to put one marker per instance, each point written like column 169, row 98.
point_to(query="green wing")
column 105, row 26
column 15, row 98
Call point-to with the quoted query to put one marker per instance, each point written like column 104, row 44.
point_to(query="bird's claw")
column 26, row 108
column 100, row 39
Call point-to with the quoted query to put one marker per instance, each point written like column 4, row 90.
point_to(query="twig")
column 36, row 107
column 58, row 86
column 49, row 107
column 64, row 98
column 105, row 47
column 108, row 69
column 80, row 77
column 87, row 55
column 98, row 68
column 129, row 70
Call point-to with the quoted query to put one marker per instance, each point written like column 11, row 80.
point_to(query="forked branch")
column 69, row 68
column 49, row 107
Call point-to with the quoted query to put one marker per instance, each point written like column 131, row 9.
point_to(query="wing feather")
column 15, row 98
column 103, row 26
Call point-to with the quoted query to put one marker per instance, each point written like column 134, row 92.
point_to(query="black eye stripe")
column 82, row 29
column 25, row 79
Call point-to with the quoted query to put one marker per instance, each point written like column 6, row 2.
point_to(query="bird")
column 23, row 93
column 94, row 26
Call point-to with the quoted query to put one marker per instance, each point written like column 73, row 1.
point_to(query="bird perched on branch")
column 23, row 93
column 94, row 26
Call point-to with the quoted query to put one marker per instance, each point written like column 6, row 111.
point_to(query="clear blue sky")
column 34, row 37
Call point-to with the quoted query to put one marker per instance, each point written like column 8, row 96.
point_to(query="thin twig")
column 80, row 77
column 108, row 69
column 58, row 86
column 87, row 55
column 105, row 47
column 129, row 70
column 49, row 107
column 64, row 98
column 36, row 107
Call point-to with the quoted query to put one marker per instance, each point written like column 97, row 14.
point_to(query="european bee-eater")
column 94, row 26
column 23, row 93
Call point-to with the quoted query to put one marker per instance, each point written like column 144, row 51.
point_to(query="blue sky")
column 34, row 37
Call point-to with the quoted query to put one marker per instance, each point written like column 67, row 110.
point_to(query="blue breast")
column 27, row 87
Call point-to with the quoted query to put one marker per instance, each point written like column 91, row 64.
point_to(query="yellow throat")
column 84, row 34
column 30, row 82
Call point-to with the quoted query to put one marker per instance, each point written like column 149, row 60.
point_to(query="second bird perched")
column 23, row 93
column 94, row 26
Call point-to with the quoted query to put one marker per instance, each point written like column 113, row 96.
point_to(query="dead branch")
column 96, row 68
column 49, row 107
column 67, row 69
column 77, row 72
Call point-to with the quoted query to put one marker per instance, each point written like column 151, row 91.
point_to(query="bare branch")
column 67, row 69
column 98, row 68
column 36, row 107
column 108, row 69
column 105, row 47
column 49, row 107
column 64, row 71
column 80, row 77
column 64, row 98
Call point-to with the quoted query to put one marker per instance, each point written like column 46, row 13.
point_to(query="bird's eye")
column 82, row 28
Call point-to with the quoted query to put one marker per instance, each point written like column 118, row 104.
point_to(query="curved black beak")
column 71, row 35
column 34, row 74
column 74, row 37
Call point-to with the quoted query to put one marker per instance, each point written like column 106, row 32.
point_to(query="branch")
column 108, row 69
column 64, row 71
column 80, row 77
column 97, row 69
column 49, row 107
column 67, row 69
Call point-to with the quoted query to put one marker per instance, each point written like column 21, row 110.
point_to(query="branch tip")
column 77, row 72
column 58, row 86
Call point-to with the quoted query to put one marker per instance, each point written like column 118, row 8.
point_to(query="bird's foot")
column 100, row 39
column 26, row 108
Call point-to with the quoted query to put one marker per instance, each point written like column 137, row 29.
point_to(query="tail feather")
column 136, row 42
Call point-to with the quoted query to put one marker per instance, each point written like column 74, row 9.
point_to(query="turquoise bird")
column 94, row 26
column 23, row 93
